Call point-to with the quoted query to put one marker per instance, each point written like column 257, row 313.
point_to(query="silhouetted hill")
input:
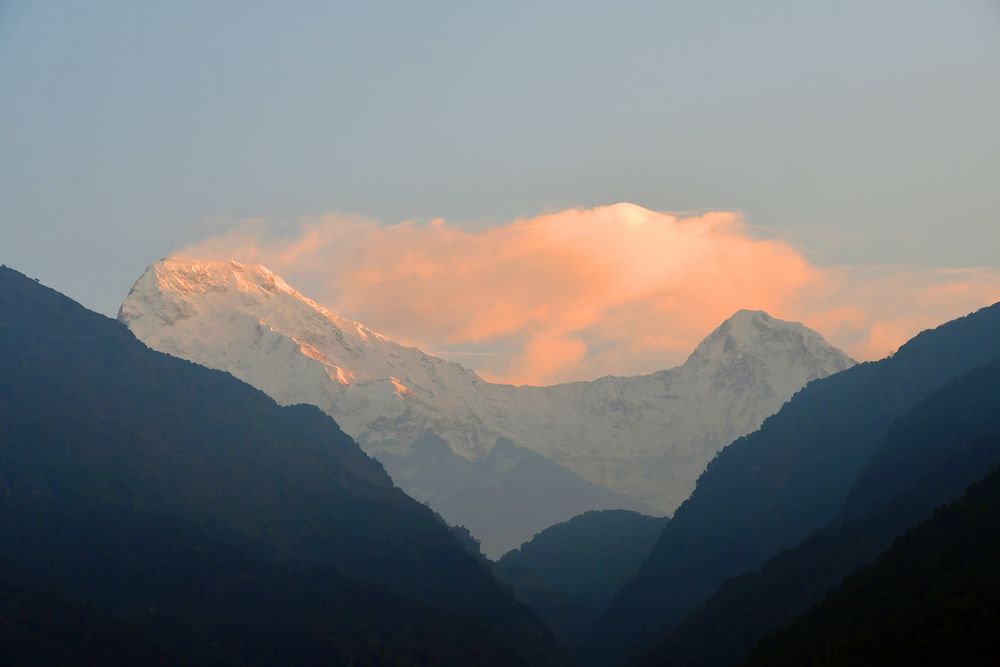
column 237, row 531
column 769, row 490
column 948, row 441
column 932, row 598
column 569, row 571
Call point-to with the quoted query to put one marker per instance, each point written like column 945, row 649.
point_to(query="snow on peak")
column 755, row 332
column 201, row 280
column 747, row 317
column 754, row 353
column 748, row 326
column 177, row 303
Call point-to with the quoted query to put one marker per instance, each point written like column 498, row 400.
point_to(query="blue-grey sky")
column 865, row 131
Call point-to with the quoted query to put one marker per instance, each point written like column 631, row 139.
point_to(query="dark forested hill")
column 569, row 571
column 38, row 626
column 182, row 501
column 771, row 489
column 948, row 441
column 931, row 599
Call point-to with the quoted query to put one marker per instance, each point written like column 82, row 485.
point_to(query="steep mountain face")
column 931, row 599
column 769, row 490
column 568, row 572
column 182, row 501
column 931, row 455
column 503, row 496
column 648, row 437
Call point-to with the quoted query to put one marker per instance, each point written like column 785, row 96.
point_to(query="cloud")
column 581, row 293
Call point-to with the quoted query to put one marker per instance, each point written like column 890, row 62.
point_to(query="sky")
column 857, row 138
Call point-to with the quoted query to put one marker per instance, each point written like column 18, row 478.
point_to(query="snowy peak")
column 746, row 325
column 198, row 278
column 756, row 333
column 748, row 328
column 213, row 311
column 221, row 284
column 753, row 353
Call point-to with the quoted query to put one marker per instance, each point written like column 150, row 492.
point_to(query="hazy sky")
column 862, row 132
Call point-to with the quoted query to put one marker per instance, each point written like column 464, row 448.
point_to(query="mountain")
column 931, row 599
column 504, row 495
column 647, row 437
column 769, row 490
column 231, row 530
column 950, row 440
column 568, row 572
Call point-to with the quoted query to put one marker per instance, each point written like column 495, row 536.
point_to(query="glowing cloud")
column 581, row 293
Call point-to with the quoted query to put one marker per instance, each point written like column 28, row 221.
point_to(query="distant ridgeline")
column 770, row 490
column 155, row 511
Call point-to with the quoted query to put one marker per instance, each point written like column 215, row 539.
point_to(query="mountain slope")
column 769, row 490
column 647, row 437
column 932, row 598
column 180, row 499
column 948, row 441
column 568, row 572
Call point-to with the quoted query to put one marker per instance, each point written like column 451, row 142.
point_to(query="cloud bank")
column 582, row 293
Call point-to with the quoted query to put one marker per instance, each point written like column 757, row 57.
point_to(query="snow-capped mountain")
column 647, row 436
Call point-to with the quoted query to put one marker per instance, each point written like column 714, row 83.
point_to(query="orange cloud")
column 581, row 293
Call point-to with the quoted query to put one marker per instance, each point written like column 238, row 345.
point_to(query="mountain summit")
column 751, row 345
column 648, row 436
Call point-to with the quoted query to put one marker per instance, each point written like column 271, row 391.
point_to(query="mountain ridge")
column 647, row 437
column 930, row 455
column 930, row 598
